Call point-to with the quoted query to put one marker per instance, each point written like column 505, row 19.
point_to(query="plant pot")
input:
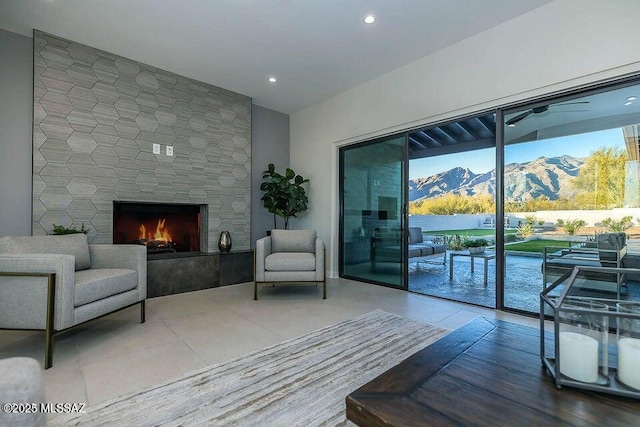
column 476, row 250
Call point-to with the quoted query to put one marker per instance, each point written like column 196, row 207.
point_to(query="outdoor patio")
column 523, row 282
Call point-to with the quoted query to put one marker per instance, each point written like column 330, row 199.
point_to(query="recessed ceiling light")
column 631, row 98
column 628, row 103
column 369, row 19
column 272, row 80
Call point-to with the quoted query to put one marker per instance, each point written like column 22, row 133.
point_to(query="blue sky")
column 480, row 161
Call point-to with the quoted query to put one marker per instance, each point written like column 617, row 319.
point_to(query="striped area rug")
column 300, row 382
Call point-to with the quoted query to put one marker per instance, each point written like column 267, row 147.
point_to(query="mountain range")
column 544, row 176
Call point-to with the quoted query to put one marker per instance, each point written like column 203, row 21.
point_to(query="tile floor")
column 116, row 354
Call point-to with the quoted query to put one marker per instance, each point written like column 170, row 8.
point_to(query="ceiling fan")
column 537, row 110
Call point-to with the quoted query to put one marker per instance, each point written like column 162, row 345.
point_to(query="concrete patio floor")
column 523, row 281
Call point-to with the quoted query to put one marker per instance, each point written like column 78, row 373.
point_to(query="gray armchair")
column 58, row 282
column 290, row 256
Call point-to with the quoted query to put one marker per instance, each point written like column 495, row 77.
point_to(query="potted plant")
column 284, row 195
column 475, row 246
column 61, row 229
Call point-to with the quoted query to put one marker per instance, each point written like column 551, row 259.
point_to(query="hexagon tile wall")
column 96, row 116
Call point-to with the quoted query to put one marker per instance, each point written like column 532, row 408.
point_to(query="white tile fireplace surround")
column 97, row 117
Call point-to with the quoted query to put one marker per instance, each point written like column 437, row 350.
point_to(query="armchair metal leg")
column 48, row 337
column 324, row 273
column 48, row 349
column 142, row 311
column 255, row 282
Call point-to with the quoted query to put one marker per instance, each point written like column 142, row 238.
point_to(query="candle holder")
column 583, row 355
column 628, row 341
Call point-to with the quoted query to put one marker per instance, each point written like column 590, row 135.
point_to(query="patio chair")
column 610, row 252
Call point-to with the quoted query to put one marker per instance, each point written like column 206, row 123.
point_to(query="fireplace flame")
column 161, row 234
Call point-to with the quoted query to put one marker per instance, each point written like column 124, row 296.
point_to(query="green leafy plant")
column 454, row 242
column 475, row 243
column 618, row 226
column 530, row 220
column 284, row 195
column 525, row 230
column 571, row 226
column 61, row 229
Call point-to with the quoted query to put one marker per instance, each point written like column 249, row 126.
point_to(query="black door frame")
column 500, row 111
column 403, row 210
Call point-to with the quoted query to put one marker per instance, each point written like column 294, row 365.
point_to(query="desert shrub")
column 455, row 242
column 618, row 226
column 525, row 230
column 571, row 226
column 450, row 204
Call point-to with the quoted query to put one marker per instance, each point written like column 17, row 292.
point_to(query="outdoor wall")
column 16, row 95
column 564, row 44
column 269, row 144
column 591, row 217
column 448, row 222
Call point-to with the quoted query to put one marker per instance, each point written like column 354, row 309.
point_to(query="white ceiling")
column 316, row 48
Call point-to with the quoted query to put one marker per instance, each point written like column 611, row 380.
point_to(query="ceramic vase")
column 224, row 244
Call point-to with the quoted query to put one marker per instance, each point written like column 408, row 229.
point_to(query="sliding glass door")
column 555, row 176
column 571, row 184
column 372, row 200
column 452, row 187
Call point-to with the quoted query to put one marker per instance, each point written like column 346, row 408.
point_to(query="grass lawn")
column 469, row 232
column 536, row 245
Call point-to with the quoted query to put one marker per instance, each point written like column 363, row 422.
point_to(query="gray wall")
column 96, row 118
column 270, row 144
column 16, row 94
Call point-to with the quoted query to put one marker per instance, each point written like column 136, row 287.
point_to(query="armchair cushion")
column 94, row 285
column 610, row 242
column 70, row 244
column 293, row 241
column 415, row 235
column 283, row 261
column 414, row 251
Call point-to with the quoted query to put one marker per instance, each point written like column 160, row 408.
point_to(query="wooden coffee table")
column 487, row 373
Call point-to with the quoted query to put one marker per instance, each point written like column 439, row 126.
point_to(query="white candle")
column 629, row 361
column 579, row 357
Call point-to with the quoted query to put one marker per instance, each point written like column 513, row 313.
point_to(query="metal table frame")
column 486, row 256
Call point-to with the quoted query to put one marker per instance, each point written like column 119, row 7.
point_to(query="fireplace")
column 161, row 227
